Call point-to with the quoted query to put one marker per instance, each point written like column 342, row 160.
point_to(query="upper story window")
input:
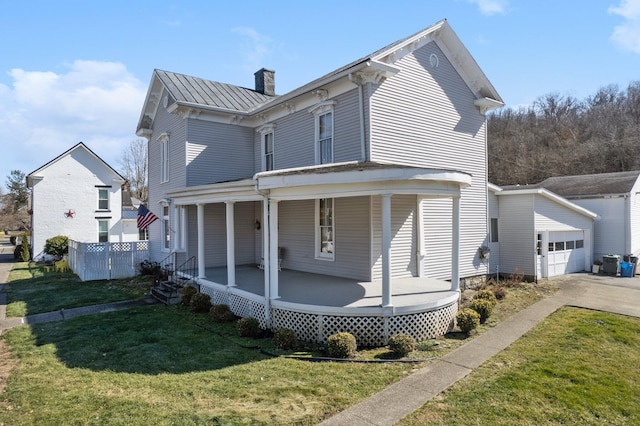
column 103, row 198
column 164, row 157
column 267, row 146
column 324, row 131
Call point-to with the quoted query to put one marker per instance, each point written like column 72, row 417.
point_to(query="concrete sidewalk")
column 618, row 295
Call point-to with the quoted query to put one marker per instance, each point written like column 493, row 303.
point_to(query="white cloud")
column 627, row 34
column 255, row 48
column 491, row 7
column 45, row 113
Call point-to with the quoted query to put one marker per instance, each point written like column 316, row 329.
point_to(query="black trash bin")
column 611, row 264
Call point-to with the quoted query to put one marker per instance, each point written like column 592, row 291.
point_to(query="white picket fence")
column 106, row 261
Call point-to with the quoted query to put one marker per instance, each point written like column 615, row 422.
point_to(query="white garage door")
column 566, row 252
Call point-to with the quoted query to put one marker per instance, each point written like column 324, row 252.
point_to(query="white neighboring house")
column 77, row 195
column 538, row 232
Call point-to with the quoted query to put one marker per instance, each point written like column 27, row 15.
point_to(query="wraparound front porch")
column 316, row 306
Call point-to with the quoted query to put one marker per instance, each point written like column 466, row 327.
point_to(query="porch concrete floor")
column 325, row 290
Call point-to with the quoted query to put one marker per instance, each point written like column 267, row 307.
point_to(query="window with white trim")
column 103, row 231
column 103, row 199
column 324, row 132
column 164, row 157
column 267, row 140
column 325, row 235
column 494, row 229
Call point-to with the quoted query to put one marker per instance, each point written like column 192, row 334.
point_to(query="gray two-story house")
column 357, row 202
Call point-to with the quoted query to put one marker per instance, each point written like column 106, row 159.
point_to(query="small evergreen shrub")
column 341, row 345
column 221, row 313
column 57, row 246
column 25, row 254
column 187, row 294
column 285, row 339
column 12, row 240
column 486, row 294
column 200, row 303
column 483, row 307
column 467, row 320
column 402, row 344
column 249, row 327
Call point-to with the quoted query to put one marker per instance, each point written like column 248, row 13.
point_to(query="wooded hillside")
column 561, row 135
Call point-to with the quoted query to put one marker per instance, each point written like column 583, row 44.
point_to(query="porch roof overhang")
column 358, row 179
column 329, row 181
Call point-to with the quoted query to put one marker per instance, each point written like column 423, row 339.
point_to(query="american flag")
column 145, row 217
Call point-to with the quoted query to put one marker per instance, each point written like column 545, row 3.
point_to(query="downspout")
column 627, row 224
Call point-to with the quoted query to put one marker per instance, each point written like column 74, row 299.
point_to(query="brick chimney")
column 266, row 82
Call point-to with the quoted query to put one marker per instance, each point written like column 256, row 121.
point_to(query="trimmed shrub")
column 483, row 307
column 12, row 240
column 341, row 345
column 249, row 327
column 200, row 303
column 25, row 253
column 485, row 294
column 187, row 294
column 402, row 344
column 285, row 339
column 221, row 313
column 57, row 246
column 467, row 320
column 17, row 252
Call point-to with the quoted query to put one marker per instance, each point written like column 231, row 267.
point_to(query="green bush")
column 285, row 339
column 221, row 313
column 483, row 307
column 25, row 253
column 57, row 246
column 249, row 327
column 486, row 294
column 402, row 344
column 467, row 320
column 341, row 345
column 200, row 303
column 187, row 294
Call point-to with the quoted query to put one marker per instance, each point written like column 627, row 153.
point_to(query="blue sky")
column 75, row 71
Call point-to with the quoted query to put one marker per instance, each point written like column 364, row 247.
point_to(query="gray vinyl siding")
column 437, row 238
column 517, row 234
column 215, row 233
column 294, row 136
column 174, row 125
column 494, row 212
column 297, row 237
column 634, row 219
column 609, row 231
column 403, row 233
column 424, row 116
column 217, row 152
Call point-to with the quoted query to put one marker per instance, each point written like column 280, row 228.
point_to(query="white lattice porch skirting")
column 372, row 326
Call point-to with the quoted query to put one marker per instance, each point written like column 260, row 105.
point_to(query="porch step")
column 167, row 292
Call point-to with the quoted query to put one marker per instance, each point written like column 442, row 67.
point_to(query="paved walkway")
column 617, row 295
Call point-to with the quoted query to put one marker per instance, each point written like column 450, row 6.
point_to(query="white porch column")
column 231, row 245
column 273, row 249
column 455, row 244
column 265, row 257
column 201, row 273
column 386, row 250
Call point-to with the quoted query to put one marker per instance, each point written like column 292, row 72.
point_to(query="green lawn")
column 577, row 367
column 32, row 290
column 159, row 365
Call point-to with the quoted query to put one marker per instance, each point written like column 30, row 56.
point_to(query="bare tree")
column 134, row 163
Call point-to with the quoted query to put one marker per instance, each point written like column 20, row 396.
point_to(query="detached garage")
column 538, row 232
